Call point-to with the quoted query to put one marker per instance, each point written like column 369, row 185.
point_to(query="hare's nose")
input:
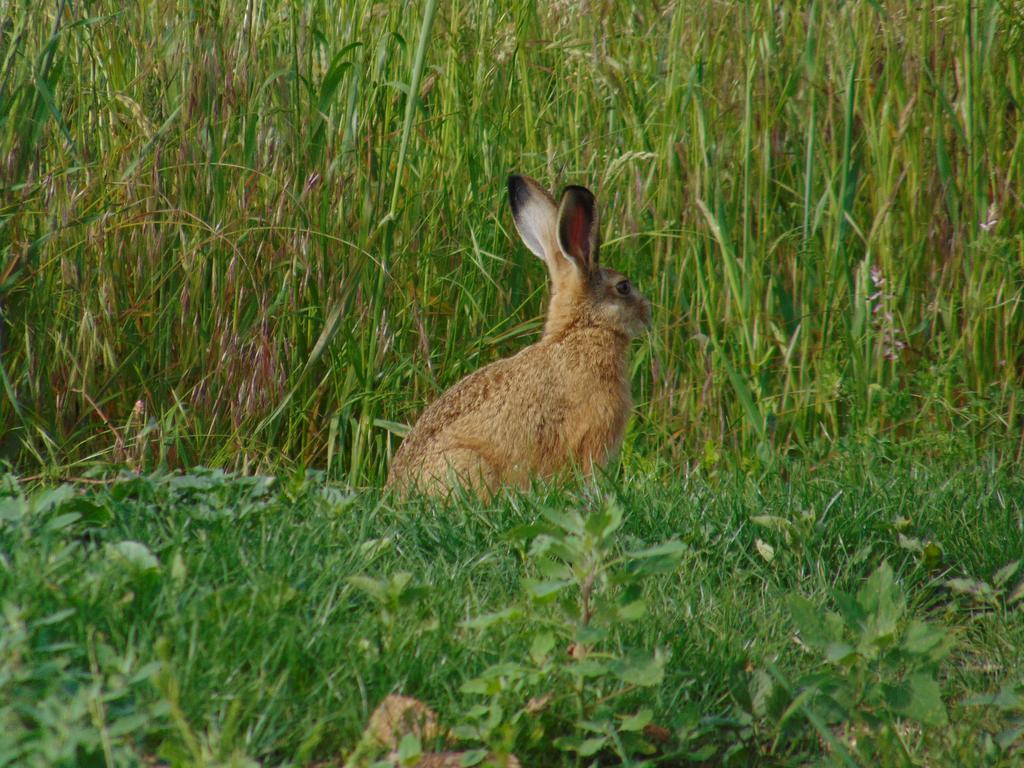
column 646, row 314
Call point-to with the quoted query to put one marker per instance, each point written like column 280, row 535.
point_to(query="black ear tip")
column 579, row 195
column 520, row 190
column 516, row 190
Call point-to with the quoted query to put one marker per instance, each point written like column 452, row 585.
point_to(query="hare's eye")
column 622, row 287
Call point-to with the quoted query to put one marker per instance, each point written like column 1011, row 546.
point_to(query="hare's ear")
column 535, row 214
column 577, row 227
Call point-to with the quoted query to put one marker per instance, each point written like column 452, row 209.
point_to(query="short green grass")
column 229, row 631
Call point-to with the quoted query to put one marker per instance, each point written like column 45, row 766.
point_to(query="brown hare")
column 561, row 402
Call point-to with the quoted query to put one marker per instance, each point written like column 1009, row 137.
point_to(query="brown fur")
column 563, row 401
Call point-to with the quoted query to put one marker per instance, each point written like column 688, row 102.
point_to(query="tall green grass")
column 229, row 235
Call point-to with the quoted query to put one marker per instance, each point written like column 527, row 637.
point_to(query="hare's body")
column 487, row 441
column 563, row 401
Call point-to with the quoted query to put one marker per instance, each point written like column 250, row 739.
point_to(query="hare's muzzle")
column 645, row 313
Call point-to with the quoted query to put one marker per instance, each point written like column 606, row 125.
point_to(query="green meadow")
column 259, row 236
column 211, row 620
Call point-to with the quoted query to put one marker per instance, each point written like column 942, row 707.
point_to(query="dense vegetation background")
column 259, row 235
column 214, row 250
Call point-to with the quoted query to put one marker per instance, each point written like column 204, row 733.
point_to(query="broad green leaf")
column 931, row 554
column 591, row 746
column 59, row 522
column 480, row 685
column 671, row 549
column 880, row 595
column 922, row 639
column 504, row 670
column 541, row 646
column 409, row 750
column 703, row 754
column 147, row 671
column 877, row 586
column 662, row 558
column 472, row 757
column 561, row 546
column 603, row 523
column 567, row 743
column 638, row 721
column 553, row 569
column 639, row 670
column 399, row 581
column 525, row 532
column 197, row 481
column 128, row 724
column 839, row 653
column 883, row 605
column 490, row 619
column 52, row 498
column 92, row 512
column 808, row 620
column 495, row 716
column 595, row 522
column 767, row 698
column 464, row 732
column 568, row 522
column 594, row 726
column 588, row 668
column 336, row 500
column 374, row 588
column 852, row 614
column 138, row 487
column 632, row 611
column 132, row 555
column 12, row 508
column 590, row 634
column 919, row 698
column 541, row 590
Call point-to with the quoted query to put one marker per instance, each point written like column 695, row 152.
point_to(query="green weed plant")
column 587, row 588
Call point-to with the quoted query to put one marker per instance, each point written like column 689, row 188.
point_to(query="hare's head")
column 565, row 237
